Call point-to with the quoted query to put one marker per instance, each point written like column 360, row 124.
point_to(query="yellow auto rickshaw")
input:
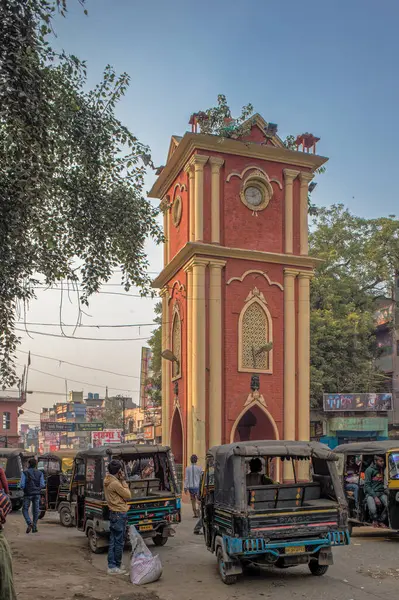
column 354, row 460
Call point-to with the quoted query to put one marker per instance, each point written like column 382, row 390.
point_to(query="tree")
column 154, row 382
column 360, row 258
column 71, row 186
column 218, row 120
column 113, row 413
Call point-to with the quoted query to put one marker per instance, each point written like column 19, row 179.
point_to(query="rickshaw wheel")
column 66, row 517
column 41, row 514
column 316, row 569
column 227, row 579
column 16, row 505
column 159, row 540
column 93, row 539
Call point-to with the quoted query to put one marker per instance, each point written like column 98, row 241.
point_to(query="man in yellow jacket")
column 117, row 492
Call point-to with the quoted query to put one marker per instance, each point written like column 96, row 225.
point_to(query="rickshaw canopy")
column 366, row 447
column 229, row 475
column 122, row 450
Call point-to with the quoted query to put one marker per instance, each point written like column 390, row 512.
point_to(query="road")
column 55, row 564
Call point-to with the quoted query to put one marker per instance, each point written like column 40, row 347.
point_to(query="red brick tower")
column 235, row 290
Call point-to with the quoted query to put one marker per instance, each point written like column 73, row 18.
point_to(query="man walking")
column 192, row 481
column 117, row 492
column 32, row 482
column 374, row 487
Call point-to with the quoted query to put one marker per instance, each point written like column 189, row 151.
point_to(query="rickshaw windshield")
column 67, row 465
column 393, row 465
column 148, row 474
column 49, row 466
column 12, row 466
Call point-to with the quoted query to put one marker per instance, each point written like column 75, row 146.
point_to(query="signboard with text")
column 357, row 402
column 71, row 427
column 107, row 436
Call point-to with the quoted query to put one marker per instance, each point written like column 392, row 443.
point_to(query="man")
column 255, row 476
column 192, row 481
column 3, row 482
column 32, row 482
column 375, row 492
column 117, row 492
column 7, row 591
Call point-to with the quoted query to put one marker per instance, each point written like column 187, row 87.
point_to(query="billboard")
column 70, row 427
column 108, row 436
column 145, row 373
column 149, row 432
column 360, row 402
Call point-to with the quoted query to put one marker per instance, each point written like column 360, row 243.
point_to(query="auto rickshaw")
column 14, row 461
column 355, row 458
column 249, row 519
column 57, row 470
column 150, row 472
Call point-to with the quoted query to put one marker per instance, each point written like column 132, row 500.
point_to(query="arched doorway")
column 176, row 443
column 254, row 424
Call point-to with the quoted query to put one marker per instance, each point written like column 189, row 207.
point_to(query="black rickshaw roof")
column 59, row 454
column 273, row 448
column 9, row 452
column 367, row 447
column 123, row 450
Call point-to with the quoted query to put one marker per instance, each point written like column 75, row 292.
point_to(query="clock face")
column 253, row 196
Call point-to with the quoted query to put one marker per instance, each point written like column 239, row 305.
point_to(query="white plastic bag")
column 144, row 567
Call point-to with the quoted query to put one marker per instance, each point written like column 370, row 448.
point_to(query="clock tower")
column 235, row 288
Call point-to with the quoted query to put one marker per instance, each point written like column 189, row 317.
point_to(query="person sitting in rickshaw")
column 352, row 478
column 376, row 497
column 255, row 475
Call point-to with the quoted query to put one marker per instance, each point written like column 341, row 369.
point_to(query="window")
column 393, row 464
column 176, row 344
column 6, row 420
column 255, row 334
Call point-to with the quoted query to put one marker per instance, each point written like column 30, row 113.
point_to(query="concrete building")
column 10, row 405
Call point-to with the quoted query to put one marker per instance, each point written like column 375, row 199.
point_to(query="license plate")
column 295, row 550
column 145, row 527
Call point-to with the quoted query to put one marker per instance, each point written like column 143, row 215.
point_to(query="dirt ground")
column 55, row 564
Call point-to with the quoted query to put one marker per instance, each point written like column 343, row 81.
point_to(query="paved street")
column 55, row 564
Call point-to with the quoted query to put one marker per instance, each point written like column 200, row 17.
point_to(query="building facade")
column 235, row 290
column 9, row 409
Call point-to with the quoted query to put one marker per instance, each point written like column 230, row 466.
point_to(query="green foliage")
column 218, row 120
column 113, row 413
column 360, row 258
column 155, row 343
column 71, row 185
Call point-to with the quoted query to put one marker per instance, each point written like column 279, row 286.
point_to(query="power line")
column 87, row 326
column 83, row 382
column 126, row 294
column 71, row 337
column 59, row 360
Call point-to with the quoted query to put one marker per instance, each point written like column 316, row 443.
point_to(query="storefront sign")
column 360, row 402
column 49, row 426
column 90, row 426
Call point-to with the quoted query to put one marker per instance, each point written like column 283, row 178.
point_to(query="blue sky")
column 325, row 67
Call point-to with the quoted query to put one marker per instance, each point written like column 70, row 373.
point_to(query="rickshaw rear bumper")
column 251, row 547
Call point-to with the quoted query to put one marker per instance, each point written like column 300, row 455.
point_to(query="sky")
column 329, row 68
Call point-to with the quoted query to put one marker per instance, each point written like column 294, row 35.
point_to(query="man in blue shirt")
column 32, row 482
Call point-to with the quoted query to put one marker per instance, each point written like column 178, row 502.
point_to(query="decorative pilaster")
column 289, row 176
column 215, row 352
column 289, row 362
column 191, row 199
column 305, row 179
column 165, row 369
column 216, row 163
column 166, row 231
column 198, row 389
column 199, row 161
column 304, row 355
column 189, row 425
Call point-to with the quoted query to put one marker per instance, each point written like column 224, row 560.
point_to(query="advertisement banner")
column 92, row 426
column 108, row 436
column 149, row 432
column 357, row 402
